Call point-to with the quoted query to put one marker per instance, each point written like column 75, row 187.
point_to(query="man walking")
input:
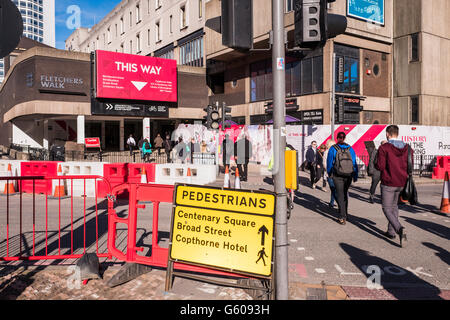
column 168, row 147
column 243, row 152
column 392, row 162
column 342, row 167
column 311, row 155
column 131, row 144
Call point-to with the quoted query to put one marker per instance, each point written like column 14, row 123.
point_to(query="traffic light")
column 211, row 120
column 314, row 25
column 215, row 119
column 225, row 116
column 237, row 24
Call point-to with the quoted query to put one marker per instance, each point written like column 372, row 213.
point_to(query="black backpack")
column 343, row 163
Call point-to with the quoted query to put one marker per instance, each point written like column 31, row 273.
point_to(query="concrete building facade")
column 243, row 80
column 169, row 29
column 422, row 60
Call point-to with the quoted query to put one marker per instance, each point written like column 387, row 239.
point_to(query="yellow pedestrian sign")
column 224, row 229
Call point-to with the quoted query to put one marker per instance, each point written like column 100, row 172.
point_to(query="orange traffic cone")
column 60, row 190
column 445, row 203
column 226, row 180
column 143, row 175
column 9, row 185
column 189, row 175
column 237, row 180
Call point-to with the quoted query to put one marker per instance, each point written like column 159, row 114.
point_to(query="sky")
column 91, row 12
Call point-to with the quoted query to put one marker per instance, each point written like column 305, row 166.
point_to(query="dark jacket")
column 371, row 170
column 392, row 162
column 311, row 155
column 319, row 159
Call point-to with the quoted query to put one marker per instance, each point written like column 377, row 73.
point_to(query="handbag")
column 409, row 192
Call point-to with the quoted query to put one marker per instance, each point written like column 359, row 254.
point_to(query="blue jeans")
column 333, row 190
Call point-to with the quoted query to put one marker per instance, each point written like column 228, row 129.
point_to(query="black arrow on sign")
column 263, row 230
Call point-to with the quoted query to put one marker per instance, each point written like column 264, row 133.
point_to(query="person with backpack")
column 392, row 161
column 146, row 150
column 342, row 167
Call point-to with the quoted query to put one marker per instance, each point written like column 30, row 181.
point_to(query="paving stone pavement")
column 58, row 283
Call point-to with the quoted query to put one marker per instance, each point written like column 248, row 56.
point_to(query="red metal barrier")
column 135, row 172
column 116, row 174
column 38, row 168
column 156, row 194
column 39, row 226
column 442, row 165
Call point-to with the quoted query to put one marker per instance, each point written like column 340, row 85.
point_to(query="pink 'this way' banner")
column 135, row 77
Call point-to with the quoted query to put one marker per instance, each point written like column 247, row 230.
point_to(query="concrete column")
column 146, row 128
column 122, row 134
column 45, row 142
column 80, row 129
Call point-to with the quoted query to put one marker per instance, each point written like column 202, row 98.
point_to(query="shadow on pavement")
column 410, row 287
column 443, row 254
column 322, row 208
column 434, row 228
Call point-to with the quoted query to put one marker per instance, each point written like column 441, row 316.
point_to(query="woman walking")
column 320, row 168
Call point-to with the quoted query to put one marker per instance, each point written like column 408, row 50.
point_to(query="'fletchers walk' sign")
column 134, row 77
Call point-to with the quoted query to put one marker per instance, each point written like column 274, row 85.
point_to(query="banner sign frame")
column 216, row 212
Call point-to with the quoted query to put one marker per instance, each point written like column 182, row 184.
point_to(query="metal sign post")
column 279, row 126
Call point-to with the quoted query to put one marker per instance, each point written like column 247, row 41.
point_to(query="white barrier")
column 172, row 173
column 80, row 169
column 15, row 169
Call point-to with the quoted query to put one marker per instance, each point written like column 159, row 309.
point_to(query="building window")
column 183, row 19
column 157, row 32
column 414, row 110
column 157, row 4
column 121, row 48
column 349, row 57
column 200, row 9
column 138, row 43
column 138, row 13
column 414, row 47
column 131, row 19
column 170, row 24
column 122, row 26
column 131, row 46
column 109, row 35
column 191, row 53
column 302, row 77
column 289, row 5
column 148, row 37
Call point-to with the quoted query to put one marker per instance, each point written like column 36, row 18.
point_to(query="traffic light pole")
column 279, row 132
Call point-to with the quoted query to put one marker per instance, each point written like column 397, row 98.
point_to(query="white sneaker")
column 314, row 186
